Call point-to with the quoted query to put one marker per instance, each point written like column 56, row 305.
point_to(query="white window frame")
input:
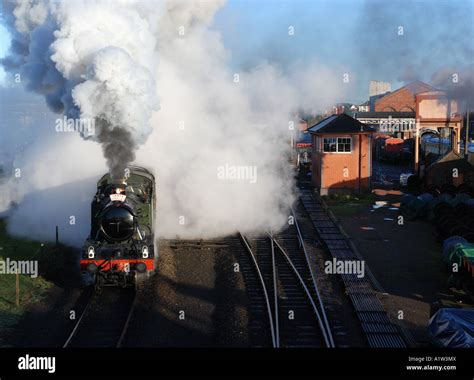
column 337, row 143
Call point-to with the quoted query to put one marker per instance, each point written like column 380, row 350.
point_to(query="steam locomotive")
column 120, row 249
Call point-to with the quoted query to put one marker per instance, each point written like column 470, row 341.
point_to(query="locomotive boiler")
column 120, row 249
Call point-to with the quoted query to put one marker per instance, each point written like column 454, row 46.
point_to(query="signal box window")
column 337, row 144
column 329, row 144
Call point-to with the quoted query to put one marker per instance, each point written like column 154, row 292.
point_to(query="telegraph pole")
column 416, row 163
column 17, row 289
column 466, row 141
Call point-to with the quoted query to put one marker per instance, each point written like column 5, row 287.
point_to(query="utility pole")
column 17, row 286
column 416, row 163
column 466, row 141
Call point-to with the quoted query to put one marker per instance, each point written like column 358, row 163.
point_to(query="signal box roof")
column 341, row 123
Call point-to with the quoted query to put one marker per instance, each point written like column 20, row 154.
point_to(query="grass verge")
column 349, row 204
column 32, row 290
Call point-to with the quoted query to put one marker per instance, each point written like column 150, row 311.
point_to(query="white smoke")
column 112, row 60
column 50, row 181
column 91, row 66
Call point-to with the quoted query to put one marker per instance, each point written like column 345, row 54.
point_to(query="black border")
column 224, row 362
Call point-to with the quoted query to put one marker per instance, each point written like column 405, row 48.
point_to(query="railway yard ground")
column 193, row 301
column 405, row 259
column 196, row 299
column 206, row 293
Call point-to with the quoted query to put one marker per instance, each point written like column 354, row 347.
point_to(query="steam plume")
column 89, row 66
column 110, row 61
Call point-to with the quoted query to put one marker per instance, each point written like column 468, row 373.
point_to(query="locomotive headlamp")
column 145, row 252
column 90, row 252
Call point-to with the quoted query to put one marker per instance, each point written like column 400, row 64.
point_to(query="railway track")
column 285, row 307
column 104, row 320
column 290, row 300
column 288, row 304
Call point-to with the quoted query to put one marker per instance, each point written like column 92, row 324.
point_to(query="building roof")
column 414, row 88
column 341, row 123
column 418, row 87
column 382, row 115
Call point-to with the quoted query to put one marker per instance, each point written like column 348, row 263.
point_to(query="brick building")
column 430, row 107
column 341, row 154
column 433, row 113
column 437, row 115
column 403, row 99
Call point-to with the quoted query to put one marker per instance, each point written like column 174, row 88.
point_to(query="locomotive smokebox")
column 118, row 222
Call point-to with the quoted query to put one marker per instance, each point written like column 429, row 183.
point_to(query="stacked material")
column 413, row 207
column 454, row 219
column 460, row 261
column 452, row 328
column 451, row 209
column 404, row 178
column 449, row 245
column 458, row 256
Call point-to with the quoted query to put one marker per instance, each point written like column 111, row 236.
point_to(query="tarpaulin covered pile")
column 452, row 328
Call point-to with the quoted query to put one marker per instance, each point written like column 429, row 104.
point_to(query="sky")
column 290, row 55
column 4, row 45
column 358, row 36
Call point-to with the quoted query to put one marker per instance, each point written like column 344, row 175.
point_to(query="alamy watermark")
column 31, row 363
column 27, row 267
column 86, row 126
column 237, row 172
column 336, row 266
column 397, row 125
